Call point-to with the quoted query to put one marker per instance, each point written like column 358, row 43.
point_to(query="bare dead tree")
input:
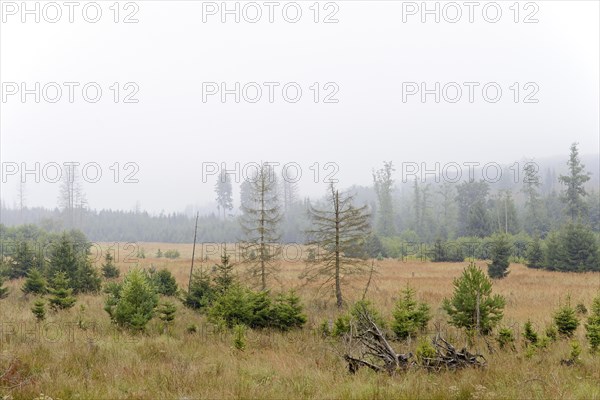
column 337, row 237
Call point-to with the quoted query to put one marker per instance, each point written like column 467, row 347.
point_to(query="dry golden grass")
column 62, row 360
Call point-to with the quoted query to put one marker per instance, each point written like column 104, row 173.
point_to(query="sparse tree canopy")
column 260, row 224
column 224, row 193
column 384, row 185
column 337, row 232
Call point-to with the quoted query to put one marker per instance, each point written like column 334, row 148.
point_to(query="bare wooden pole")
column 193, row 253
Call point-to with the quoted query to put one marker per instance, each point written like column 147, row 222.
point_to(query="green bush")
column 166, row 313
column 286, row 312
column 200, row 293
column 500, row 254
column 131, row 304
column 535, row 254
column 240, row 305
column 39, row 310
column 529, row 334
column 506, row 337
column 410, row 316
column 472, row 297
column 566, row 320
column 341, row 326
column 172, row 254
column 424, row 350
column 35, row 283
column 62, row 295
column 109, row 270
column 592, row 326
column 164, row 282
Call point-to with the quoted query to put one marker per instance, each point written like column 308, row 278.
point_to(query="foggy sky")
column 368, row 54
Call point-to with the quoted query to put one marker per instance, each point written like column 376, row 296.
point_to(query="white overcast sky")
column 369, row 53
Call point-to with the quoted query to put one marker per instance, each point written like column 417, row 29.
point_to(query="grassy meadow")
column 78, row 354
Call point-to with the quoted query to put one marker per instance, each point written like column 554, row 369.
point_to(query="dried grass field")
column 78, row 353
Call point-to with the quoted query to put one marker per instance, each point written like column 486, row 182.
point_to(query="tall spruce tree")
column 574, row 193
column 499, row 254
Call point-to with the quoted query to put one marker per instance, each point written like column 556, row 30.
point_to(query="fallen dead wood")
column 447, row 357
column 377, row 354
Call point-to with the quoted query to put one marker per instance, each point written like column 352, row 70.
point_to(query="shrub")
column 224, row 277
column 506, row 337
column 341, row 325
column 159, row 254
column 409, row 315
column 61, row 292
column 239, row 337
column 592, row 326
column 166, row 313
column 551, row 332
column 164, row 282
column 424, row 350
column 566, row 320
column 472, row 299
column 529, row 334
column 535, row 254
column 109, row 270
column 581, row 309
column 500, row 254
column 239, row 305
column 35, row 283
column 191, row 328
column 200, row 293
column 172, row 254
column 131, row 304
column 88, row 280
column 39, row 310
column 286, row 312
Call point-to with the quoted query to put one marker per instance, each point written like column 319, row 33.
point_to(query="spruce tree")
column 580, row 248
column 132, row 304
column 39, row 310
column 224, row 277
column 566, row 319
column 88, row 279
column 23, row 260
column 35, row 283
column 109, row 270
column 592, row 326
column 574, row 193
column 410, row 316
column 63, row 259
column 500, row 254
column 472, row 305
column 200, row 293
column 535, row 254
column 166, row 313
column 62, row 295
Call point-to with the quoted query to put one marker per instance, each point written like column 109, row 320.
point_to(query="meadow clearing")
column 77, row 353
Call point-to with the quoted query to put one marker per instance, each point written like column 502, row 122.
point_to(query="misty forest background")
column 531, row 204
